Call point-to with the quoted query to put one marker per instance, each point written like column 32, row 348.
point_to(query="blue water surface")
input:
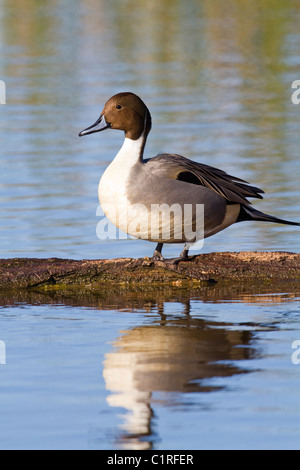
column 200, row 370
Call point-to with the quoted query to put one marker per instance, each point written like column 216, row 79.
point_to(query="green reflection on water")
column 217, row 75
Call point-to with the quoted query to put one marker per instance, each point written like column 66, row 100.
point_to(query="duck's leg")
column 157, row 256
column 184, row 256
column 185, row 253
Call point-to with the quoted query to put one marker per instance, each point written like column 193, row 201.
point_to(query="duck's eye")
column 118, row 106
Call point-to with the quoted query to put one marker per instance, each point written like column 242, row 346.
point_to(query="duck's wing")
column 172, row 166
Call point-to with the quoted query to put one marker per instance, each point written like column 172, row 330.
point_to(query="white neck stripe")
column 130, row 151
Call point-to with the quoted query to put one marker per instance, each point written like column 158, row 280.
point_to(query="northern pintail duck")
column 131, row 186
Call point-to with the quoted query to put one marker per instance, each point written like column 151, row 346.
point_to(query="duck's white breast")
column 113, row 192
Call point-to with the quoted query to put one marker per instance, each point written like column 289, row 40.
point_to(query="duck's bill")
column 98, row 126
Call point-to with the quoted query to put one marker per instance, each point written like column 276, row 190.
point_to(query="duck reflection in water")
column 156, row 363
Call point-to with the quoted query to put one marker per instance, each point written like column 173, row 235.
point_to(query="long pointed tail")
column 249, row 213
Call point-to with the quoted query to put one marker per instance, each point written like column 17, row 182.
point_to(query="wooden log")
column 226, row 268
